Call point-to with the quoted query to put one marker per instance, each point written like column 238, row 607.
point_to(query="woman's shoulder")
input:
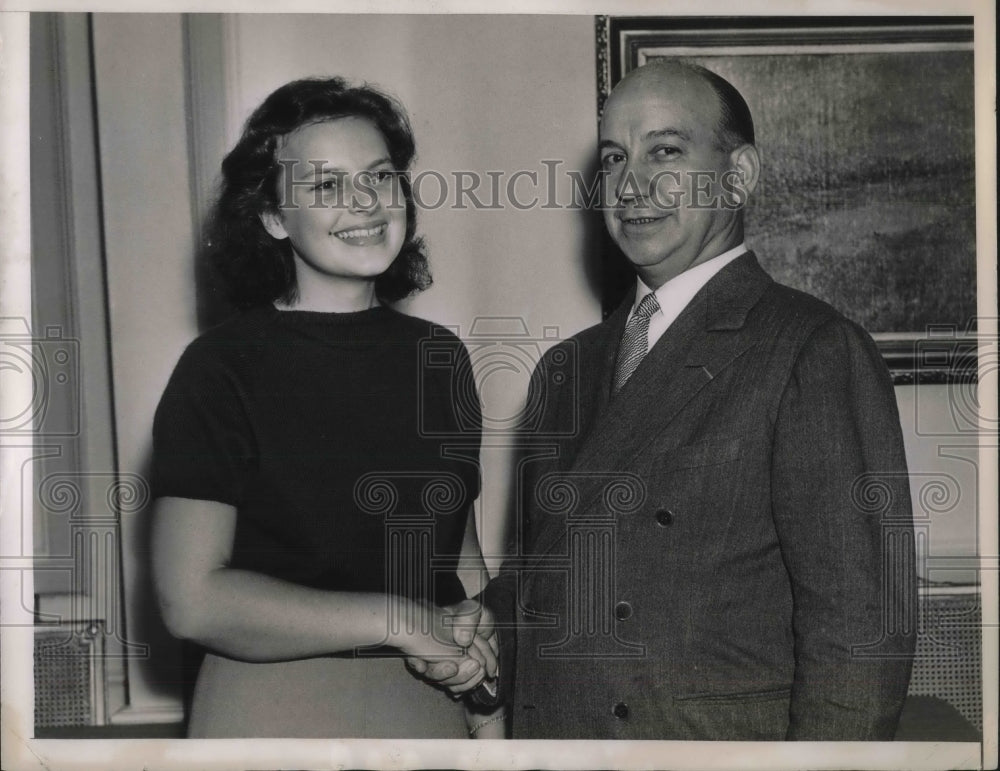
column 245, row 325
column 424, row 329
column 228, row 344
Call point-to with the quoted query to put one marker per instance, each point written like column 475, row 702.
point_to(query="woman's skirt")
column 327, row 697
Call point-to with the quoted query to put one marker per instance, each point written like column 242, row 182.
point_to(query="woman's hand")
column 431, row 636
column 469, row 625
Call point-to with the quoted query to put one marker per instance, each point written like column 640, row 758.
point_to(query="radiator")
column 948, row 662
column 69, row 675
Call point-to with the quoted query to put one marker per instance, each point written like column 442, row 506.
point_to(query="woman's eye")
column 327, row 184
column 377, row 178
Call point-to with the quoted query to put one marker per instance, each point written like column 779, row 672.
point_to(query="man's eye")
column 665, row 152
column 612, row 159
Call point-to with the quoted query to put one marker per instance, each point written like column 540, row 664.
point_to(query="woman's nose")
column 363, row 194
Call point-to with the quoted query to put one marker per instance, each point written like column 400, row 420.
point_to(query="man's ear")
column 746, row 160
column 271, row 221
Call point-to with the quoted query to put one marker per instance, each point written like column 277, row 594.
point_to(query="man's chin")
column 643, row 256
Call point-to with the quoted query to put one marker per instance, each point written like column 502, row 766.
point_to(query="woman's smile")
column 363, row 236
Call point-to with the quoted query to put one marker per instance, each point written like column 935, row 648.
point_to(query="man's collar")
column 695, row 277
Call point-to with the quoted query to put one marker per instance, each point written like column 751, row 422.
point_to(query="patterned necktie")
column 634, row 341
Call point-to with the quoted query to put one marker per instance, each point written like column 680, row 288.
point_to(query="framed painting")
column 867, row 198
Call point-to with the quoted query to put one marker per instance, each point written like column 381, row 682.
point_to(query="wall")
column 943, row 458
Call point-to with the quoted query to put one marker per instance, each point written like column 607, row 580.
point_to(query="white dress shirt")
column 675, row 295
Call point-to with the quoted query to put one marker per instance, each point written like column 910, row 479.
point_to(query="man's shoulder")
column 795, row 302
column 786, row 316
column 770, row 298
column 801, row 320
column 592, row 334
column 584, row 339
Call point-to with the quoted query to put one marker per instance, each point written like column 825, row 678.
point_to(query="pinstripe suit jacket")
column 722, row 550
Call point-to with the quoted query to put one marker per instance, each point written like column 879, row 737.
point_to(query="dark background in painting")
column 867, row 197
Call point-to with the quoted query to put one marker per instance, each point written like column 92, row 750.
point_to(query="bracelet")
column 494, row 719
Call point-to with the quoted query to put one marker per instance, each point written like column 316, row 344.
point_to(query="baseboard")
column 148, row 713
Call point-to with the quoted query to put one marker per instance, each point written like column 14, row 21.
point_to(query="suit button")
column 620, row 710
column 664, row 518
column 623, row 611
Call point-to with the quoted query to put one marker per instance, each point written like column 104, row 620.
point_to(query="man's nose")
column 633, row 184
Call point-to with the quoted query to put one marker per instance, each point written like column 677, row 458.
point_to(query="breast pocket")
column 709, row 452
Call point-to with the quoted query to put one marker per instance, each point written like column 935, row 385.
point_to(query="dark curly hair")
column 258, row 268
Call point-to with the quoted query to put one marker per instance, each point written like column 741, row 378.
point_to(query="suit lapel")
column 609, row 350
column 707, row 336
column 596, row 371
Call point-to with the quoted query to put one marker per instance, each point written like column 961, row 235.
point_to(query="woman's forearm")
column 258, row 617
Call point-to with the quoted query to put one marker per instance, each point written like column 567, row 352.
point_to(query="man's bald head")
column 734, row 126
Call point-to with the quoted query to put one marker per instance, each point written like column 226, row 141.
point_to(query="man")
column 715, row 533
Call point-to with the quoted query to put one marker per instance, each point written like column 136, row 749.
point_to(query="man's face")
column 665, row 196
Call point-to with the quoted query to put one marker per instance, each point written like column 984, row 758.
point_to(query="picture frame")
column 866, row 128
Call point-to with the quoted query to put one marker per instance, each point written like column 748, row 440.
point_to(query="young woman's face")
column 340, row 203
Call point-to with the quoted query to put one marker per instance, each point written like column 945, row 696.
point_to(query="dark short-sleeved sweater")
column 348, row 443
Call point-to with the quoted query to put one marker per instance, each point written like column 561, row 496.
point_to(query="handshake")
column 461, row 651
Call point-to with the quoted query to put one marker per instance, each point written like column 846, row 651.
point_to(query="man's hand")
column 471, row 628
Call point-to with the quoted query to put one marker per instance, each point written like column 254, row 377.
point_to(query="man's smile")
column 639, row 220
column 635, row 222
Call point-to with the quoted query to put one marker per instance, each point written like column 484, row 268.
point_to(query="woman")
column 309, row 517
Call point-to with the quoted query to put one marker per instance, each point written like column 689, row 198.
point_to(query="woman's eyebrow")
column 318, row 170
